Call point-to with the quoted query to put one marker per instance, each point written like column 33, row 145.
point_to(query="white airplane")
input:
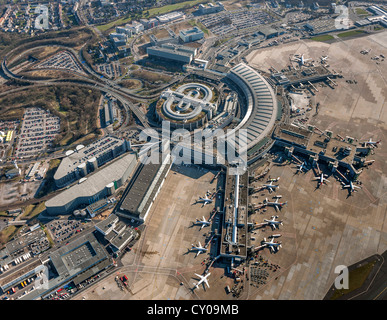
column 321, row 179
column 350, row 186
column 324, row 58
column 301, row 59
column 202, row 279
column 301, row 167
column 270, row 186
column 371, row 143
column 204, row 223
column 274, row 179
column 272, row 223
column 198, row 248
column 204, row 200
column 277, row 205
column 273, row 246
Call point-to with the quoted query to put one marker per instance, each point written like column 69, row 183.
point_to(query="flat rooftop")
column 136, row 192
column 81, row 154
column 78, row 256
column 96, row 181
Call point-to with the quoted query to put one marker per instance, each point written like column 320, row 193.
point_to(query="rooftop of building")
column 96, row 181
column 82, row 154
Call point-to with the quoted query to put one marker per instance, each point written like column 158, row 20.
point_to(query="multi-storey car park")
column 83, row 160
column 95, row 186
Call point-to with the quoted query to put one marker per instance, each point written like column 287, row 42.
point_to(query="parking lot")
column 240, row 19
column 39, row 128
column 62, row 230
column 63, row 60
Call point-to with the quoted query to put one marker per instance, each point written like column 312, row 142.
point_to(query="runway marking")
column 380, row 293
column 369, row 195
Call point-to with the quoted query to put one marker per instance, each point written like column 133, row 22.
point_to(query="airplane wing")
column 205, row 280
column 201, row 227
column 200, row 244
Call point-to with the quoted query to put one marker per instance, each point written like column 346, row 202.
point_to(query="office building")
column 191, row 34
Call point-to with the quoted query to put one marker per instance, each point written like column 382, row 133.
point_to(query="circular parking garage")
column 188, row 106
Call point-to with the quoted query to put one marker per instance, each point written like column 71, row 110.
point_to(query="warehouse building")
column 80, row 162
column 98, row 185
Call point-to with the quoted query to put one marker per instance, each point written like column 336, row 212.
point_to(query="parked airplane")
column 204, row 200
column 365, row 51
column 324, row 58
column 272, row 223
column 203, row 222
column 277, row 205
column 270, row 186
column 350, row 186
column 199, row 249
column 321, row 179
column 273, row 246
column 301, row 59
column 202, row 279
column 301, row 167
column 371, row 143
column 273, row 179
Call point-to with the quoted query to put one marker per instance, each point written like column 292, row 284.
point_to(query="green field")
column 324, row 37
column 351, row 33
column 152, row 12
column 361, row 11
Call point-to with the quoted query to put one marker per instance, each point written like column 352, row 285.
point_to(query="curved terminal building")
column 261, row 104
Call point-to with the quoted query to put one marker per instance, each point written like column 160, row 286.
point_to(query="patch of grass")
column 7, row 234
column 356, row 279
column 361, row 11
column 324, row 37
column 351, row 33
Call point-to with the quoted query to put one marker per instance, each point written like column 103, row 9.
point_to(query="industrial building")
column 190, row 35
column 80, row 162
column 75, row 262
column 98, row 185
column 172, row 52
column 143, row 190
